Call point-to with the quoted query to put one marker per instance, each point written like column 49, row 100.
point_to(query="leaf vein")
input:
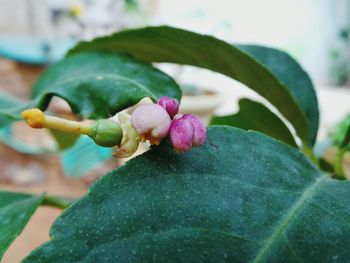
column 283, row 224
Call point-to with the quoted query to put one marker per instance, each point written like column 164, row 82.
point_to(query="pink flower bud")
column 200, row 132
column 186, row 132
column 181, row 134
column 170, row 105
column 151, row 122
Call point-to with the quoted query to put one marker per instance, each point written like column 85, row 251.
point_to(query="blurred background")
column 316, row 32
column 36, row 33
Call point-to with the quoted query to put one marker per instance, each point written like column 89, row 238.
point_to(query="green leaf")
column 287, row 70
column 7, row 101
column 341, row 138
column 243, row 197
column 8, row 104
column 166, row 44
column 341, row 133
column 97, row 84
column 15, row 211
column 64, row 140
column 253, row 115
column 346, row 139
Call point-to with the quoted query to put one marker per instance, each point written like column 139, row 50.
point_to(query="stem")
column 338, row 163
column 37, row 119
column 309, row 153
column 67, row 125
column 104, row 132
column 57, row 201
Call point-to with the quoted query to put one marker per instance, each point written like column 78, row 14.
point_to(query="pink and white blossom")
column 151, row 122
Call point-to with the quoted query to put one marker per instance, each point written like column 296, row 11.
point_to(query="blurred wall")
column 316, row 32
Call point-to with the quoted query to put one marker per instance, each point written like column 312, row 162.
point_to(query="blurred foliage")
column 340, row 132
column 340, row 58
column 131, row 5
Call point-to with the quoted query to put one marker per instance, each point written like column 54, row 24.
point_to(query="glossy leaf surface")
column 97, row 84
column 248, row 65
column 290, row 73
column 243, row 197
column 15, row 211
column 255, row 116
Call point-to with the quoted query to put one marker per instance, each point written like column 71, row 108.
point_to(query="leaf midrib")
column 284, row 223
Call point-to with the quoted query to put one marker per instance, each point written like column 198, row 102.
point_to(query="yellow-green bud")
column 107, row 133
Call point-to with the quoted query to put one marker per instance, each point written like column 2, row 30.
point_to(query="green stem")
column 309, row 153
column 338, row 163
column 68, row 125
column 57, row 201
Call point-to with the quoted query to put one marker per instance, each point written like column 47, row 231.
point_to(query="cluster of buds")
column 149, row 122
column 155, row 121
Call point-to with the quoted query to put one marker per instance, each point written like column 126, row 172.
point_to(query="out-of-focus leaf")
column 346, row 139
column 64, row 140
column 341, row 134
column 83, row 157
column 291, row 74
column 8, row 102
column 97, row 84
column 15, row 211
column 253, row 115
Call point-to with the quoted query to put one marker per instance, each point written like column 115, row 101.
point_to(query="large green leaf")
column 98, row 84
column 166, row 44
column 243, row 197
column 293, row 76
column 15, row 211
column 253, row 115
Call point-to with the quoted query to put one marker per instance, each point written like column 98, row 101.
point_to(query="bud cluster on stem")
column 187, row 131
column 155, row 121
column 149, row 122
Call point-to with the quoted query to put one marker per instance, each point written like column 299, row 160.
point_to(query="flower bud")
column 181, row 134
column 170, row 105
column 151, row 122
column 200, row 132
column 107, row 133
column 186, row 132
